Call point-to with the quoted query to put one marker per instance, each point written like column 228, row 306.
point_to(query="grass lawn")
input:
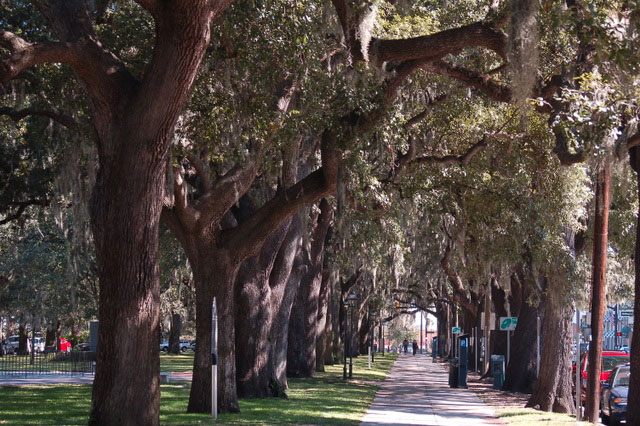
column 530, row 417
column 323, row 399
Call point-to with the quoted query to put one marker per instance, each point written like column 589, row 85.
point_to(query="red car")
column 610, row 360
column 65, row 345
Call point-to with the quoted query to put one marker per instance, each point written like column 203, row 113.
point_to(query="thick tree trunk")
column 324, row 316
column 125, row 213
column 214, row 279
column 633, row 406
column 553, row 388
column 284, row 281
column 255, row 308
column 521, row 371
column 303, row 327
column 174, row 333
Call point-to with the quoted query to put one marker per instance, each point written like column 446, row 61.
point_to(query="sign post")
column 214, row 360
column 508, row 324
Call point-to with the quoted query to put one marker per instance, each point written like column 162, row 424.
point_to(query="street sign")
column 508, row 323
column 626, row 313
column 456, row 330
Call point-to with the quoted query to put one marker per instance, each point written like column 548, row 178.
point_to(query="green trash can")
column 497, row 370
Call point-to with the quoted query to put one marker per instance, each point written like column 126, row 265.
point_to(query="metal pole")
column 578, row 388
column 214, row 360
column 351, row 344
column 475, row 342
column 508, row 346
column 538, row 346
column 346, row 314
column 615, row 323
column 420, row 332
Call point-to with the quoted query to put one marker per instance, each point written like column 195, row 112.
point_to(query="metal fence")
column 68, row 363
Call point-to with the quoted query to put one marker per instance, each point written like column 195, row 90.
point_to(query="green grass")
column 323, row 399
column 176, row 363
column 530, row 417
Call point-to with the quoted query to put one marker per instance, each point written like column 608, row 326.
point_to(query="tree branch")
column 22, row 206
column 17, row 115
column 248, row 236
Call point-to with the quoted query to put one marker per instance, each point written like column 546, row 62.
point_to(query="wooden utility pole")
column 599, row 276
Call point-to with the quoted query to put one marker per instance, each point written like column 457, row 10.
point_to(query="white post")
column 538, row 346
column 214, row 360
column 508, row 346
column 475, row 342
column 369, row 357
column 214, row 392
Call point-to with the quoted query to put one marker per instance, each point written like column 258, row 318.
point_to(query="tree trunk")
column 599, row 277
column 174, row 333
column 303, row 327
column 633, row 406
column 214, row 279
column 323, row 343
column 553, row 388
column 521, row 371
column 125, row 212
column 284, row 281
column 255, row 308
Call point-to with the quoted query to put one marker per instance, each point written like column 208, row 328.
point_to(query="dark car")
column 613, row 399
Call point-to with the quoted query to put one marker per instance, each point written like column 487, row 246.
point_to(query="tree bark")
column 553, row 388
column 284, row 281
column 323, row 342
column 255, row 310
column 633, row 406
column 598, row 303
column 214, row 279
column 521, row 371
column 303, row 327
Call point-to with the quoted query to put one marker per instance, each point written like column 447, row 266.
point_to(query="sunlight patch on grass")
column 530, row 417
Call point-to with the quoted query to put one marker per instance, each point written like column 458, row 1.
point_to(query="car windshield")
column 622, row 379
column 611, row 362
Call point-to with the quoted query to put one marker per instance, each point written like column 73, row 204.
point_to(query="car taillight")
column 619, row 400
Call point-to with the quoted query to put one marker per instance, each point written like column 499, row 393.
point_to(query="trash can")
column 454, row 371
column 497, row 370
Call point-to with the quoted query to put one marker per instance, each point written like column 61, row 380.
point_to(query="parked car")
column 82, row 347
column 184, row 345
column 610, row 360
column 12, row 344
column 613, row 399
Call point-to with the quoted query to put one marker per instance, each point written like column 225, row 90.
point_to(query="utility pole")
column 487, row 327
column 599, row 277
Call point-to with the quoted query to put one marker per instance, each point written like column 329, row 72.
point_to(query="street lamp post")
column 373, row 315
column 352, row 301
column 345, row 306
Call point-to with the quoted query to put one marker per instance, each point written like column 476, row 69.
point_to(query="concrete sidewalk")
column 417, row 393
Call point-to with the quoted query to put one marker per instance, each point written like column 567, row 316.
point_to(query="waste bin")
column 454, row 371
column 434, row 348
column 497, row 370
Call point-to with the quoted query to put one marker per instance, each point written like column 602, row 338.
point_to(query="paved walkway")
column 44, row 379
column 417, row 393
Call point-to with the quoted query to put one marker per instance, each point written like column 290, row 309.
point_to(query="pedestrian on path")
column 405, row 345
column 415, row 347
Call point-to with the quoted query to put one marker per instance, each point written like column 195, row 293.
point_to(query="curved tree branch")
column 17, row 115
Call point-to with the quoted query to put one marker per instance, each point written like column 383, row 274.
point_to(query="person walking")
column 405, row 345
column 415, row 347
